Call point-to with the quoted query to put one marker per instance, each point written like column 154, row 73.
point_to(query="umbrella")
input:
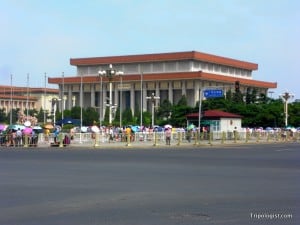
column 37, row 129
column 168, row 126
column 95, row 129
column 48, row 126
column 27, row 130
column 289, row 127
column 27, row 123
column 135, row 128
column 15, row 127
column 68, row 121
column 2, row 127
column 191, row 126
column 84, row 129
column 269, row 129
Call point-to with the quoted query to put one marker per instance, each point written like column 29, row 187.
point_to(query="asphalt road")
column 250, row 184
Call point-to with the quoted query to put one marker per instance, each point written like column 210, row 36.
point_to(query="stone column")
column 116, row 95
column 170, row 92
column 132, row 100
column 70, row 98
column 93, row 95
column 183, row 86
column 144, row 97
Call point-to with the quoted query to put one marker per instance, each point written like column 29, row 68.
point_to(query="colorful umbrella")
column 27, row 130
column 191, row 126
column 48, row 126
column 37, row 129
column 15, row 127
column 2, row 127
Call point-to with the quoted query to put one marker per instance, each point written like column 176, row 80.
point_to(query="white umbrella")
column 168, row 126
column 95, row 129
column 84, row 129
column 27, row 123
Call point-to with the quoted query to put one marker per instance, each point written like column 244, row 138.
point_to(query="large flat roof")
column 171, row 56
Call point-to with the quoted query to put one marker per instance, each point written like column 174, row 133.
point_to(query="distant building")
column 26, row 98
column 167, row 75
column 216, row 120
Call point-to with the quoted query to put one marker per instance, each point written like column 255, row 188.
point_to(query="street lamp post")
column 63, row 97
column 152, row 98
column 11, row 99
column 141, row 120
column 121, row 101
column 286, row 96
column 110, row 73
column 54, row 102
column 100, row 101
column 45, row 93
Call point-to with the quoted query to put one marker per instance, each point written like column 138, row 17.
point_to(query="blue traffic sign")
column 214, row 93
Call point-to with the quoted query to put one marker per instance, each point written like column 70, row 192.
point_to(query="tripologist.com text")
column 270, row 216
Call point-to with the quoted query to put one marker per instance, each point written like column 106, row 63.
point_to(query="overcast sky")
column 39, row 37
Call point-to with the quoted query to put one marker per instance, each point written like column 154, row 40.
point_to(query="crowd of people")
column 17, row 138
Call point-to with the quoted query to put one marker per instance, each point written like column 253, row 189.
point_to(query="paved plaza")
column 223, row 184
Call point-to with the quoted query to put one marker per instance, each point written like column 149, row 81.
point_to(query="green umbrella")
column 15, row 127
column 191, row 126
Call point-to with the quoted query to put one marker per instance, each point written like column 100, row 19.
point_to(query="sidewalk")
column 159, row 144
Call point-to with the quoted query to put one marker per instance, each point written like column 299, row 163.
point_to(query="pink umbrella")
column 27, row 130
column 2, row 127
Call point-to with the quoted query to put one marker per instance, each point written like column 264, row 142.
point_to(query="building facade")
column 23, row 98
column 167, row 75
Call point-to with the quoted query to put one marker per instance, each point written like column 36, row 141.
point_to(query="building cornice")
column 5, row 89
column 167, row 77
column 161, row 57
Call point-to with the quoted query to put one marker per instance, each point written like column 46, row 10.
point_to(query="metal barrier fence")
column 159, row 138
column 153, row 138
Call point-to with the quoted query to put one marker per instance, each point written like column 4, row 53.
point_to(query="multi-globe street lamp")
column 153, row 99
column 110, row 73
column 286, row 96
column 54, row 102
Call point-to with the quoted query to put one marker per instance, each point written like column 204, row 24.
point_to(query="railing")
column 155, row 138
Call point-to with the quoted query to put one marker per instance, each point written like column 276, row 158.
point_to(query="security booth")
column 217, row 121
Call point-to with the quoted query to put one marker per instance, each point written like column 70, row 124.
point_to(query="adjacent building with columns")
column 13, row 97
column 167, row 75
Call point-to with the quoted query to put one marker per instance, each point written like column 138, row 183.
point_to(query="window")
column 215, row 125
column 170, row 66
column 158, row 67
column 146, row 67
column 217, row 68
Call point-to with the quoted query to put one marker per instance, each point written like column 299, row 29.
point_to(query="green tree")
column 90, row 115
column 76, row 112
column 127, row 117
column 179, row 112
column 164, row 112
column 3, row 117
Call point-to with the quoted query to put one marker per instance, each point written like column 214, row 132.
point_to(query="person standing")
column 168, row 133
